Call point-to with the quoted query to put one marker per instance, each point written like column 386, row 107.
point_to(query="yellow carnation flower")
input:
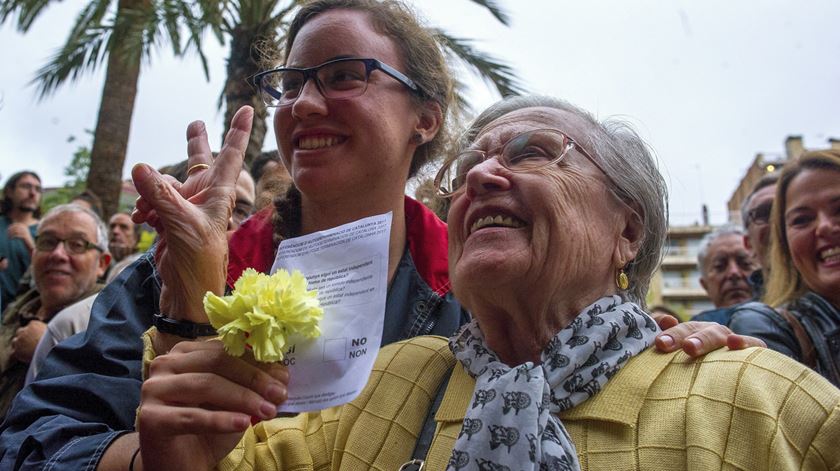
column 263, row 311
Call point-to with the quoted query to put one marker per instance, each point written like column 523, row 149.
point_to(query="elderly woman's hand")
column 699, row 338
column 198, row 401
column 192, row 218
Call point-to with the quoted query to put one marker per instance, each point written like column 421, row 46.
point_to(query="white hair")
column 727, row 230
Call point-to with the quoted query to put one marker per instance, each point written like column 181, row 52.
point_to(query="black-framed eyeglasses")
column 337, row 79
column 73, row 245
column 525, row 152
column 760, row 215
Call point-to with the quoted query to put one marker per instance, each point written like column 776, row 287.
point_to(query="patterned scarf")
column 511, row 422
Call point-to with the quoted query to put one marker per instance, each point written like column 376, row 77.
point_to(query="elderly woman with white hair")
column 556, row 226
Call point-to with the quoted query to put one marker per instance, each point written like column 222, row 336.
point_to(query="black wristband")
column 185, row 329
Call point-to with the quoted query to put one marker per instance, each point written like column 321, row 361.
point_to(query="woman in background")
column 804, row 283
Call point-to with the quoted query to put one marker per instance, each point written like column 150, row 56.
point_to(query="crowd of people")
column 778, row 279
column 515, row 335
column 54, row 266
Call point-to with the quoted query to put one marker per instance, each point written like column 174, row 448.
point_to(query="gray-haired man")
column 69, row 257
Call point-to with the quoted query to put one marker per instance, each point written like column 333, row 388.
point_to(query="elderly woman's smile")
column 495, row 221
column 534, row 209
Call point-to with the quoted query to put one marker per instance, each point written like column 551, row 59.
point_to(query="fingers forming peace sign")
column 191, row 218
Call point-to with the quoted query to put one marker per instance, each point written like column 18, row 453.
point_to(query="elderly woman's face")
column 335, row 147
column 555, row 231
column 812, row 225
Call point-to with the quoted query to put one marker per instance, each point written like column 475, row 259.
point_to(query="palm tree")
column 122, row 33
column 135, row 27
column 250, row 23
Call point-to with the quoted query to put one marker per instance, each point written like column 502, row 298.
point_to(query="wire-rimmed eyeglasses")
column 336, row 79
column 525, row 152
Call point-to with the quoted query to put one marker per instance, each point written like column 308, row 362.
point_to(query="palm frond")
column 281, row 20
column 196, row 25
column 134, row 32
column 460, row 105
column 256, row 15
column 496, row 73
column 170, row 17
column 27, row 11
column 495, row 10
column 212, row 15
column 142, row 30
column 91, row 16
column 81, row 53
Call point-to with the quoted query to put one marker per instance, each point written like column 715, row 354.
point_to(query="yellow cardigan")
column 753, row 409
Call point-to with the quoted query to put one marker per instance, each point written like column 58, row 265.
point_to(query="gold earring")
column 621, row 280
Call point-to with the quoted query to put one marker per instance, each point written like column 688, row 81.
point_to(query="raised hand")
column 19, row 230
column 198, row 401
column 191, row 218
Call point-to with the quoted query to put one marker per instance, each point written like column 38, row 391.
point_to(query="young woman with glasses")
column 360, row 105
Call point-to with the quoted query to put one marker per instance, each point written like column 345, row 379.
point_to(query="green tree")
column 120, row 33
column 76, row 172
column 249, row 23
column 79, row 167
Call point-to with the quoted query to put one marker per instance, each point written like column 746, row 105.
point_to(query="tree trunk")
column 241, row 65
column 113, row 124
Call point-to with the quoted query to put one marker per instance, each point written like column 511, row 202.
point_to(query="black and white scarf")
column 511, row 423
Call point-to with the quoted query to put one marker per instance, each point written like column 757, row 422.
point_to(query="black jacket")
column 820, row 320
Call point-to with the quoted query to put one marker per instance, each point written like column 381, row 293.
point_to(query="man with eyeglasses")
column 70, row 255
column 19, row 213
column 755, row 212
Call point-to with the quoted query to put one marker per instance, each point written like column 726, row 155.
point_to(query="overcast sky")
column 707, row 83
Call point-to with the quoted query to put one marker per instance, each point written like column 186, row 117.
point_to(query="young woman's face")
column 334, row 148
column 812, row 226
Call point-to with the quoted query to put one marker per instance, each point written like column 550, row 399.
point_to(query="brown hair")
column 785, row 283
column 422, row 57
column 11, row 183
